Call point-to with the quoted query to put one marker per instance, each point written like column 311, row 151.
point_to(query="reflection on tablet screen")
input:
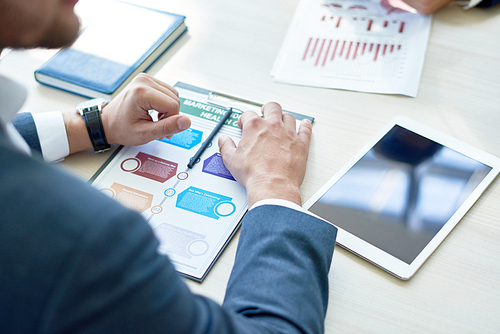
column 401, row 192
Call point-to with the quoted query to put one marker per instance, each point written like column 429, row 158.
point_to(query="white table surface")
column 231, row 46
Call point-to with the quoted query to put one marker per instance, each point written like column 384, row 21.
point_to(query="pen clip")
column 240, row 105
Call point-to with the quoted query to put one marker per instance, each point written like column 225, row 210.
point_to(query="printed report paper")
column 359, row 45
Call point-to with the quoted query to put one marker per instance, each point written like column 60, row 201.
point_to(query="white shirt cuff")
column 52, row 135
column 468, row 4
column 285, row 203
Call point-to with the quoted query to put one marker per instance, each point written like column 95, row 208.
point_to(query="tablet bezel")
column 379, row 257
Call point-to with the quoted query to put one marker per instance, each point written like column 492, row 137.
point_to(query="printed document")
column 193, row 212
column 360, row 45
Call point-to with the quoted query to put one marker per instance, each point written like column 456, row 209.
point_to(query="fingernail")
column 183, row 123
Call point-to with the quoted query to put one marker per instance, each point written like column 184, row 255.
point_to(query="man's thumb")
column 226, row 146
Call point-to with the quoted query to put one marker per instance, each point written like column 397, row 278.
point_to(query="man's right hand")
column 427, row 7
column 270, row 159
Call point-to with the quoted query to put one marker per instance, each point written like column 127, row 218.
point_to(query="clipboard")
column 194, row 212
column 229, row 101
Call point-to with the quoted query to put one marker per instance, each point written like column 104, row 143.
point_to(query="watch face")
column 89, row 104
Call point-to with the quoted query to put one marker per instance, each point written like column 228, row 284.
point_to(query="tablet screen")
column 401, row 192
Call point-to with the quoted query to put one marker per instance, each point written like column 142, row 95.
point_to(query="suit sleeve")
column 280, row 275
column 488, row 3
column 118, row 282
column 25, row 125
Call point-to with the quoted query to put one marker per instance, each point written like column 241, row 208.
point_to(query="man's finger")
column 157, row 84
column 305, row 131
column 289, row 121
column 163, row 104
column 226, row 148
column 167, row 126
column 272, row 111
column 247, row 115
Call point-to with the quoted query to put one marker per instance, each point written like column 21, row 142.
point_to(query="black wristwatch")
column 91, row 112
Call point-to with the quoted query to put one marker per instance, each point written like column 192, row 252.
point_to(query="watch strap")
column 96, row 130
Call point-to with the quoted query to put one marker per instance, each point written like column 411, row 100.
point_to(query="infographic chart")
column 354, row 44
column 193, row 212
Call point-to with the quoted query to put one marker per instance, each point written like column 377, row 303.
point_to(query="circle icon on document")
column 209, row 144
column 182, row 176
column 156, row 209
column 224, row 209
column 131, row 165
column 109, row 192
column 197, row 247
column 197, row 160
column 169, row 192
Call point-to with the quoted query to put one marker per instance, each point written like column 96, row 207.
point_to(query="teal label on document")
column 205, row 203
column 186, row 139
column 208, row 112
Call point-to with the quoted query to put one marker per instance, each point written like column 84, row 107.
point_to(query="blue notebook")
column 124, row 40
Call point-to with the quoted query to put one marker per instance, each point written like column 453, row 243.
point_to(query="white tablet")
column 401, row 195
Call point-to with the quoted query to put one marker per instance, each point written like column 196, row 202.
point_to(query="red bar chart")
column 324, row 50
column 350, row 56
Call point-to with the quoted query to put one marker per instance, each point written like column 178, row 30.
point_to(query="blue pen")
column 216, row 129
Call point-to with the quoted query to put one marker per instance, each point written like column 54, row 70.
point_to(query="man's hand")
column 427, row 7
column 126, row 118
column 270, row 160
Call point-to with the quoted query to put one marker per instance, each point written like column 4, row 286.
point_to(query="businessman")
column 73, row 260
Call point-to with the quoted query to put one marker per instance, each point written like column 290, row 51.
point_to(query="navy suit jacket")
column 74, row 260
column 488, row 3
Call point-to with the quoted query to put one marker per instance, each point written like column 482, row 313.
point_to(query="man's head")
column 38, row 23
